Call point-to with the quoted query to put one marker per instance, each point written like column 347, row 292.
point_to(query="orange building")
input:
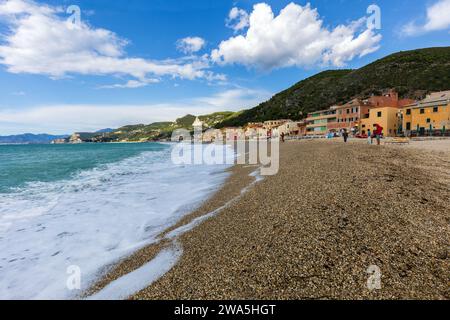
column 348, row 116
column 384, row 111
column 358, row 115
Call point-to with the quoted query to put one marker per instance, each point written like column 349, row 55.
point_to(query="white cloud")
column 296, row 37
column 40, row 40
column 438, row 18
column 190, row 45
column 62, row 119
column 234, row 99
column 238, row 19
column 130, row 84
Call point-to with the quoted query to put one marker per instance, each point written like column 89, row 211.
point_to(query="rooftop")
column 437, row 97
column 433, row 99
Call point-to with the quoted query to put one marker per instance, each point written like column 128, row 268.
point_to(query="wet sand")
column 313, row 230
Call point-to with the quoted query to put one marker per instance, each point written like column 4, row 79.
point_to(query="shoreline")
column 312, row 231
column 239, row 179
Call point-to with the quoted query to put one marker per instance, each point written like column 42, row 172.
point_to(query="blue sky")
column 139, row 61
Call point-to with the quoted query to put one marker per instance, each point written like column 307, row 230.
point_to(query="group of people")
column 373, row 135
column 376, row 134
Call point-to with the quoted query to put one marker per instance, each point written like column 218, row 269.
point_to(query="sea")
column 75, row 210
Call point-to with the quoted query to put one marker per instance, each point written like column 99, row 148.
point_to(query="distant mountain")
column 107, row 130
column 412, row 74
column 29, row 138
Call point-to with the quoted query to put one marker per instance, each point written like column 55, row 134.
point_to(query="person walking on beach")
column 345, row 135
column 378, row 133
column 282, row 137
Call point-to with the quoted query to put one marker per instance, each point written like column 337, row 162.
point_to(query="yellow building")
column 429, row 115
column 386, row 117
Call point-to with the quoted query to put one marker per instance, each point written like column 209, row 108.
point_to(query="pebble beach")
column 314, row 230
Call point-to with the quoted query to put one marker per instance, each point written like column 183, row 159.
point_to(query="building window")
column 379, row 114
column 408, row 126
column 428, row 120
column 348, row 111
column 422, row 111
column 436, row 109
column 408, row 112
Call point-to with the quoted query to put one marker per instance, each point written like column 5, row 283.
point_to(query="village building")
column 385, row 112
column 262, row 133
column 429, row 116
column 358, row 117
column 233, row 133
column 317, row 122
column 348, row 116
column 212, row 135
column 290, row 128
column 386, row 117
column 255, row 124
column 271, row 124
column 254, row 130
column 300, row 131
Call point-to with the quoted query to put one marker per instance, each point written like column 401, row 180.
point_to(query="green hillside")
column 162, row 130
column 411, row 73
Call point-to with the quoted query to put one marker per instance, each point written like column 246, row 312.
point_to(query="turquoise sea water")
column 87, row 206
column 22, row 164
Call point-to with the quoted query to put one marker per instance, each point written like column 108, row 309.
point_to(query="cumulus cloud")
column 62, row 119
column 296, row 37
column 41, row 40
column 437, row 18
column 190, row 45
column 238, row 19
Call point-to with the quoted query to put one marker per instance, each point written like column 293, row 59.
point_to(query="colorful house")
column 269, row 125
column 233, row 133
column 355, row 114
column 429, row 116
column 386, row 117
column 349, row 115
column 299, row 129
column 317, row 122
column 289, row 128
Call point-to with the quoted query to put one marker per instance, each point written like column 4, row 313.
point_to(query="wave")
column 93, row 220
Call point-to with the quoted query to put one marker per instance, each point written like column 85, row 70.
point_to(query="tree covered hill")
column 163, row 130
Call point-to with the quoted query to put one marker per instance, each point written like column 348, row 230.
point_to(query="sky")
column 68, row 65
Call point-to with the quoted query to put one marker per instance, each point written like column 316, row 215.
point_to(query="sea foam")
column 93, row 220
